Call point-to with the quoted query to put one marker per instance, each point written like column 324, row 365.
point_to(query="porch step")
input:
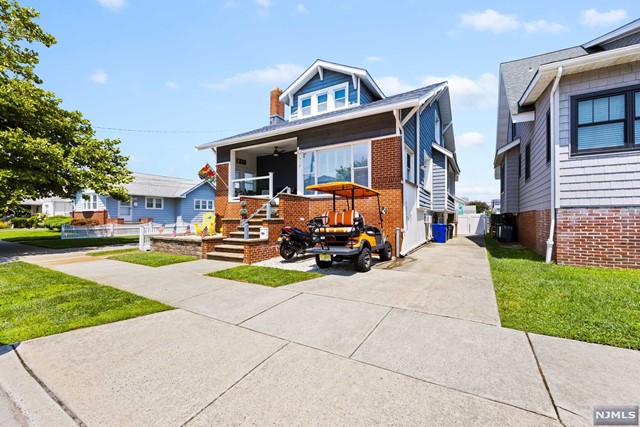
column 255, row 227
column 238, row 249
column 240, row 234
column 226, row 256
column 242, row 241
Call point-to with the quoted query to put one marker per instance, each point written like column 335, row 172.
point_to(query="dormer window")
column 305, row 105
column 339, row 97
column 322, row 102
column 438, row 129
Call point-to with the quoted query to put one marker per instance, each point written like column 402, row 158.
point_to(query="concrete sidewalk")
column 418, row 344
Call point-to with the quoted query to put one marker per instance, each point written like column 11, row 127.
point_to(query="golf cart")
column 344, row 235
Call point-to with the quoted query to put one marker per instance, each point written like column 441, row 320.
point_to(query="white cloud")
column 280, row 73
column 467, row 92
column 470, row 139
column 263, row 8
column 543, row 26
column 489, row 20
column 172, row 85
column 99, row 77
column 392, row 85
column 496, row 22
column 300, row 9
column 114, row 5
column 593, row 18
column 374, row 59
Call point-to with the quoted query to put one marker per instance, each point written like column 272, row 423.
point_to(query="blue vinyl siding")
column 365, row 94
column 166, row 215
column 331, row 78
column 427, row 134
column 186, row 207
column 425, row 198
column 409, row 130
column 112, row 207
column 439, row 182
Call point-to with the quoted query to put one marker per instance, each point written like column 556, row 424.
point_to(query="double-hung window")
column 322, row 102
column 345, row 163
column 203, row 205
column 90, row 203
column 606, row 121
column 426, row 171
column 340, row 98
column 410, row 165
column 154, row 202
column 305, row 106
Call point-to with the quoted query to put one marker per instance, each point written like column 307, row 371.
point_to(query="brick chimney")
column 276, row 111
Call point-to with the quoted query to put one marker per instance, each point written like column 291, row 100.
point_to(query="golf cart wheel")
column 323, row 264
column 286, row 251
column 386, row 252
column 363, row 263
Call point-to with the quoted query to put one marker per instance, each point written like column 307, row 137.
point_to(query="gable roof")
column 402, row 100
column 320, row 65
column 160, row 186
column 625, row 30
column 516, row 75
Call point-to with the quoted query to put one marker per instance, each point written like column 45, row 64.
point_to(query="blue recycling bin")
column 439, row 233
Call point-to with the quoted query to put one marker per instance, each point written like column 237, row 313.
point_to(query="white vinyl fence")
column 107, row 230
column 472, row 224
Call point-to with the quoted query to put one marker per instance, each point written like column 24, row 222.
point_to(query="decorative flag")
column 161, row 229
column 175, row 230
column 207, row 173
column 205, row 232
column 187, row 232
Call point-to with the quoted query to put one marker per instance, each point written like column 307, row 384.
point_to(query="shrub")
column 83, row 222
column 56, row 222
column 38, row 220
column 4, row 225
column 21, row 222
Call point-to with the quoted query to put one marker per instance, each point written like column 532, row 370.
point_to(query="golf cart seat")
column 341, row 222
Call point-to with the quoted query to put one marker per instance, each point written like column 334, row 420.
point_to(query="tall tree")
column 45, row 150
column 480, row 206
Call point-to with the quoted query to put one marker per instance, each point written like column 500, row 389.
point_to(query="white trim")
column 410, row 172
column 438, row 130
column 213, row 204
column 313, row 97
column 127, row 217
column 529, row 116
column 146, row 205
column 411, row 113
column 509, row 146
column 585, row 63
column 321, row 73
column 358, row 92
column 301, row 153
column 448, row 154
column 200, row 184
column 619, row 33
column 313, row 69
column 361, row 112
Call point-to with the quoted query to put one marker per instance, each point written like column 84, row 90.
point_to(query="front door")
column 125, row 211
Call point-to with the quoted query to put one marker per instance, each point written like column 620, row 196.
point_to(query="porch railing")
column 245, row 222
column 239, row 187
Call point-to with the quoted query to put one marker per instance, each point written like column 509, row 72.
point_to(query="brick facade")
column 98, row 216
column 185, row 245
column 532, row 228
column 600, row 237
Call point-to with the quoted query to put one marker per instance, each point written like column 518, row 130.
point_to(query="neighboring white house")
column 51, row 206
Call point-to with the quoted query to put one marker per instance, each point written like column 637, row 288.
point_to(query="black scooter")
column 295, row 241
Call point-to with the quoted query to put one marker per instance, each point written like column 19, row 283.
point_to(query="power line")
column 167, row 131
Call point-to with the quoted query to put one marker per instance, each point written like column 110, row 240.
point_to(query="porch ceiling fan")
column 277, row 153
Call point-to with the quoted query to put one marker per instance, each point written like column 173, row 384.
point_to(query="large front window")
column 608, row 121
column 90, row 203
column 345, row 163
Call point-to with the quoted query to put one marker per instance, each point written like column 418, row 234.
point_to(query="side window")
column 527, row 162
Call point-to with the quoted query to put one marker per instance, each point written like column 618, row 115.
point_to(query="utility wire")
column 168, row 131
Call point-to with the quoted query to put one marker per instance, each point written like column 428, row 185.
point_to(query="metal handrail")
column 245, row 223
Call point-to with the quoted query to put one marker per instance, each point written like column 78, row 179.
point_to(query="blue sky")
column 205, row 67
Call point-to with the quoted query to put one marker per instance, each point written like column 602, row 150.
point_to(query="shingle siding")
column 622, row 42
column 611, row 179
column 330, row 78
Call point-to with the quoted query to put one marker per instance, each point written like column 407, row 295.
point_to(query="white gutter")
column 554, row 104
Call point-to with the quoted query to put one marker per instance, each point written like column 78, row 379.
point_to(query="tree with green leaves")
column 45, row 150
column 480, row 206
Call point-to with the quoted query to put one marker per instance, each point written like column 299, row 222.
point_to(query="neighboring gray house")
column 52, row 206
column 568, row 150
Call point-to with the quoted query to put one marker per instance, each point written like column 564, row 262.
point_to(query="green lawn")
column 83, row 243
column 266, row 276
column 36, row 301
column 588, row 304
column 113, row 252
column 25, row 234
column 153, row 259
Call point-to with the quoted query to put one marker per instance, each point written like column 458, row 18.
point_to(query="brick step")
column 242, row 241
column 225, row 256
column 255, row 227
column 229, row 248
column 240, row 234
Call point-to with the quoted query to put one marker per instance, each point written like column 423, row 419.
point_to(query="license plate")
column 325, row 257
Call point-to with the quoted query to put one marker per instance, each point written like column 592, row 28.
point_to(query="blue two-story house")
column 333, row 123
column 156, row 198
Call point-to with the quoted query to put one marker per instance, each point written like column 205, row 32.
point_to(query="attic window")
column 306, row 106
column 438, row 129
column 339, row 97
column 322, row 102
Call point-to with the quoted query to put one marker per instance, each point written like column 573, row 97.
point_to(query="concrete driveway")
column 417, row 344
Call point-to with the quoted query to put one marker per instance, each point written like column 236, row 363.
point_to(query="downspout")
column 552, row 114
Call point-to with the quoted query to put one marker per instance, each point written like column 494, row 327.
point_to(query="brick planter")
column 185, row 245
